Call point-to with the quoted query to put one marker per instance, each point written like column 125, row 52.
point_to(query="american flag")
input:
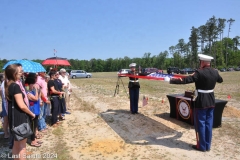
column 54, row 50
column 145, row 101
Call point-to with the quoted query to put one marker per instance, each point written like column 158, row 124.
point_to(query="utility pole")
column 230, row 23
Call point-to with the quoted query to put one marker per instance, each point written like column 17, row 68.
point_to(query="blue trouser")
column 203, row 123
column 41, row 121
column 62, row 105
column 134, row 96
column 44, row 107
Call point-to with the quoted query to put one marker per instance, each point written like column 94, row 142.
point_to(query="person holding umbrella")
column 33, row 95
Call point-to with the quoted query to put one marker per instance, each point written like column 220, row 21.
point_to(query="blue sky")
column 102, row 29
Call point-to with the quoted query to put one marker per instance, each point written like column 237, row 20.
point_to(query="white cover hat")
column 204, row 57
column 62, row 70
column 132, row 65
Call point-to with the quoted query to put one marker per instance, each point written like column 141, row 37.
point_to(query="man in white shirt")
column 66, row 86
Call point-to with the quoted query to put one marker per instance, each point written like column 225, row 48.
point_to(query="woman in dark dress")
column 14, row 93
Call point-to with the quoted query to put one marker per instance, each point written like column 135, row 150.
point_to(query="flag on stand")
column 145, row 101
column 229, row 97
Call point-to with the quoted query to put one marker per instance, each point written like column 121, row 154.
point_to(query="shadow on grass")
column 142, row 130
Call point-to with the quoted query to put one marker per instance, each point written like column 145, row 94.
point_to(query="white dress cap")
column 132, row 65
column 62, row 70
column 204, row 57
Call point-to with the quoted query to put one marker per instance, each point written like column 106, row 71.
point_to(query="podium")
column 182, row 107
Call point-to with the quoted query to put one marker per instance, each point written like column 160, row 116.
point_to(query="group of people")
column 205, row 79
column 33, row 97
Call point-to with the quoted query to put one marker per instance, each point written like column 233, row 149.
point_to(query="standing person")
column 14, row 92
column 50, row 69
column 55, row 95
column 42, row 85
column 62, row 105
column 133, row 86
column 48, row 112
column 69, row 96
column 64, row 78
column 205, row 80
column 4, row 111
column 21, row 82
column 34, row 102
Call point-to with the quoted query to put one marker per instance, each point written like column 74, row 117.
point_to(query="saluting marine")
column 205, row 80
column 133, row 86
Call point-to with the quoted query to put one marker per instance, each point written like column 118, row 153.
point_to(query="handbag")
column 23, row 130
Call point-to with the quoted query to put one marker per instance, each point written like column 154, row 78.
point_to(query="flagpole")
column 55, row 51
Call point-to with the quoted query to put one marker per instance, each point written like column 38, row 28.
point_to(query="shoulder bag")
column 23, row 130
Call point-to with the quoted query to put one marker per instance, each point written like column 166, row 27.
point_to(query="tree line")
column 206, row 39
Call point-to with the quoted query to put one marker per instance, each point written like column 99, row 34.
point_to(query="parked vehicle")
column 80, row 74
column 172, row 70
column 187, row 71
column 123, row 72
column 223, row 70
column 237, row 69
column 230, row 69
column 147, row 71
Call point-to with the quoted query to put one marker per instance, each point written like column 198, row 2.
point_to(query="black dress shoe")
column 195, row 147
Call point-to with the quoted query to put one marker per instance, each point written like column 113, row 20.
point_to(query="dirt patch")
column 230, row 111
column 104, row 147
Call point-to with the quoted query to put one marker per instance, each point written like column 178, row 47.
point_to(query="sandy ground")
column 101, row 127
column 109, row 131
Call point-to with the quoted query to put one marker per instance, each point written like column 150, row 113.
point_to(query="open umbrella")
column 57, row 61
column 28, row 65
column 38, row 67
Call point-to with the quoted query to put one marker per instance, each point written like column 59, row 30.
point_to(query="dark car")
column 147, row 71
column 237, row 69
column 230, row 69
column 187, row 71
column 172, row 70
column 223, row 70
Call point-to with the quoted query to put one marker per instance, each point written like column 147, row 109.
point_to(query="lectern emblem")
column 183, row 109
